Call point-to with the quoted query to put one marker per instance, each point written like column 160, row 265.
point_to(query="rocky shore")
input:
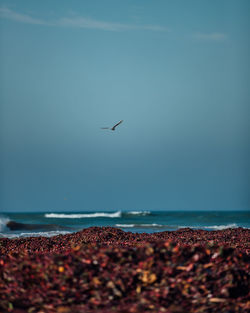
column 108, row 270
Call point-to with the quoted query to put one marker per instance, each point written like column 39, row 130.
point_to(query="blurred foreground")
column 104, row 269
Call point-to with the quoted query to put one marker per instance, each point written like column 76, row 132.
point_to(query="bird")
column 113, row 128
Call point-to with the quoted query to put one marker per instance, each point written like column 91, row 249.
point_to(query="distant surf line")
column 215, row 227
column 117, row 214
column 154, row 225
column 34, row 234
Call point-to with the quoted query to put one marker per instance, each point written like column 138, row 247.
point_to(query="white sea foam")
column 3, row 222
column 38, row 234
column 140, row 225
column 125, row 225
column 87, row 215
column 215, row 227
column 142, row 213
column 220, row 227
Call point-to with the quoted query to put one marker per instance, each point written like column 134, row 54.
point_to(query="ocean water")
column 51, row 224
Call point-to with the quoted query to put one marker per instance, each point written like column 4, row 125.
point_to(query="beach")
column 104, row 269
column 124, row 159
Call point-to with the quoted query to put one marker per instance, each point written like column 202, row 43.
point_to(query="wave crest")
column 84, row 215
column 154, row 225
column 140, row 213
column 220, row 227
column 3, row 222
column 214, row 227
column 38, row 234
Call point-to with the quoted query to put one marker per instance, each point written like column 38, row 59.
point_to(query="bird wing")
column 104, row 127
column 117, row 124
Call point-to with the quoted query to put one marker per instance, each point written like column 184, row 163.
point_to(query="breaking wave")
column 117, row 214
column 3, row 222
column 220, row 227
column 85, row 215
column 140, row 213
column 214, row 227
column 154, row 225
column 36, row 234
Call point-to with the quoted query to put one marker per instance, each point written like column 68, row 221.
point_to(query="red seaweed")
column 108, row 270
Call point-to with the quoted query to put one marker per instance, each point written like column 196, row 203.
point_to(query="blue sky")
column 176, row 72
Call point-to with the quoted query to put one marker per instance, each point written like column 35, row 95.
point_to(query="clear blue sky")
column 177, row 73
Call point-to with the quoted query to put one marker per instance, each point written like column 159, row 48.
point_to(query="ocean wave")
column 85, row 215
column 3, row 222
column 215, row 227
column 140, row 213
column 125, row 225
column 154, row 225
column 220, row 227
column 36, row 234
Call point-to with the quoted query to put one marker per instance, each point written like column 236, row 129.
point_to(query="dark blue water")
column 134, row 221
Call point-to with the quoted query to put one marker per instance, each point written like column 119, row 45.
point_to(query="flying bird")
column 113, row 128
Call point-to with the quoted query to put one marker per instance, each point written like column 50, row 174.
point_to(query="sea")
column 48, row 224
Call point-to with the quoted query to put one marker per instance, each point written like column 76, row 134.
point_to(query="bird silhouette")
column 113, row 128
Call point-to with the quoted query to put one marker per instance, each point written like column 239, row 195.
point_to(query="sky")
column 177, row 73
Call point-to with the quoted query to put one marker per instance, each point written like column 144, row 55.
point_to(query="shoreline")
column 104, row 269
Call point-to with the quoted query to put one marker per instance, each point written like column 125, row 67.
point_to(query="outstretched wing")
column 113, row 128
column 104, row 127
